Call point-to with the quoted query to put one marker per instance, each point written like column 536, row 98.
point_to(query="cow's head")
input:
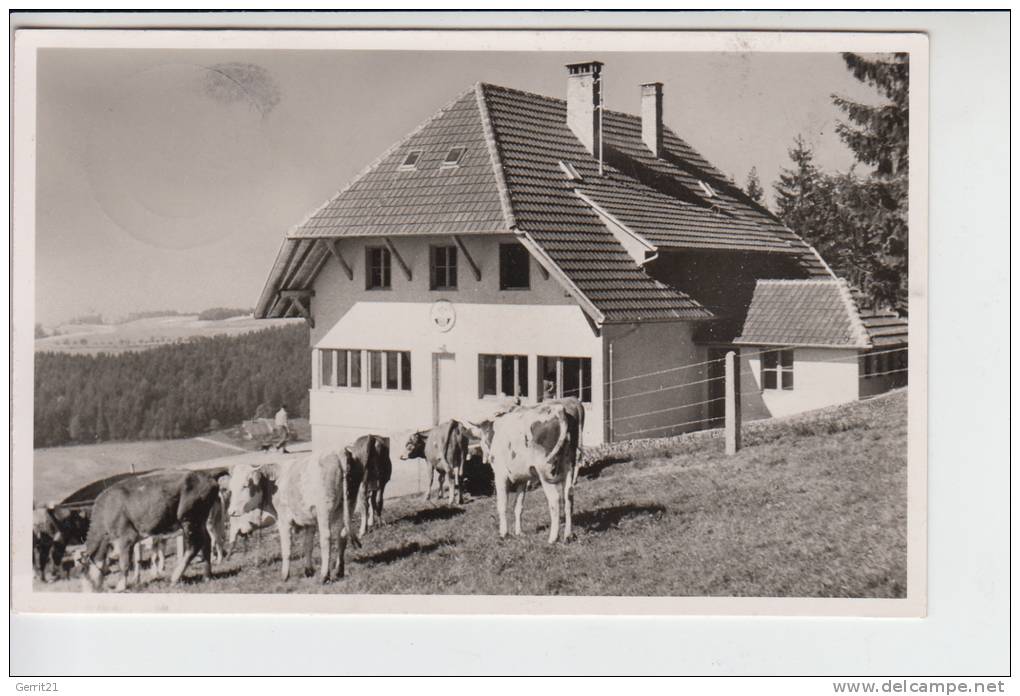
column 483, row 431
column 248, row 492
column 415, row 447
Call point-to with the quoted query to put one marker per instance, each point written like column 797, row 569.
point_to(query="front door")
column 444, row 386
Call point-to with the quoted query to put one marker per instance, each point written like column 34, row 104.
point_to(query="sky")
column 167, row 179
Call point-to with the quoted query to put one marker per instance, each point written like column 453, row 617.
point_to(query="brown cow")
column 368, row 460
column 445, row 448
column 155, row 504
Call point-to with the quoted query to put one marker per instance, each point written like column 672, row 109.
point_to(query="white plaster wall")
column 821, row 377
column 338, row 415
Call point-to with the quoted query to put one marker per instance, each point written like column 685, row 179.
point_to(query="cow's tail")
column 562, row 440
column 346, row 495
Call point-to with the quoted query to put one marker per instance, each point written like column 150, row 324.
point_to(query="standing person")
column 282, row 429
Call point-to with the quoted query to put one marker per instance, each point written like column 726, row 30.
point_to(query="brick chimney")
column 584, row 105
column 651, row 116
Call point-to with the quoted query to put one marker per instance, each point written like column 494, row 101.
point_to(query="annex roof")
column 813, row 312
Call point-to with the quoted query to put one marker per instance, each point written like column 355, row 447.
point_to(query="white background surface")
column 967, row 629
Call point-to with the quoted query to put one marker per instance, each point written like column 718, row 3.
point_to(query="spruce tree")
column 753, row 187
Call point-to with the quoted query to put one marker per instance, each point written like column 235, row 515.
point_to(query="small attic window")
column 411, row 160
column 708, row 190
column 453, row 157
column 571, row 171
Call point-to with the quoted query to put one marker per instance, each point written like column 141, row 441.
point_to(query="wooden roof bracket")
column 400, row 259
column 301, row 300
column 334, row 249
column 467, row 255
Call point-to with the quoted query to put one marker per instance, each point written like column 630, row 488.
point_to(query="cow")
column 309, row 493
column 150, row 505
column 53, row 530
column 445, row 448
column 156, row 545
column 368, row 461
column 528, row 444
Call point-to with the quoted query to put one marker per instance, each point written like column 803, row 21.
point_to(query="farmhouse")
column 517, row 245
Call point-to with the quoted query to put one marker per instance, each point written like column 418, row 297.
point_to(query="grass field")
column 59, row 471
column 813, row 505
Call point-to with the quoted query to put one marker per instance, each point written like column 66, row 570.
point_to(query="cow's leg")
column 203, row 542
column 339, row 538
column 326, row 525
column 519, row 508
column 501, row 495
column 460, row 484
column 284, row 527
column 136, row 561
column 432, row 478
column 44, row 550
column 95, row 564
column 308, row 542
column 190, row 549
column 125, row 554
column 363, row 502
column 568, row 507
column 370, row 508
column 552, row 495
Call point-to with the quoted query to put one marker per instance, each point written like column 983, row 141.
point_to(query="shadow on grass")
column 431, row 515
column 595, row 468
column 399, row 552
column 602, row 519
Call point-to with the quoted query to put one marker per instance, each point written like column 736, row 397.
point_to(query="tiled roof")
column 885, row 329
column 426, row 199
column 511, row 180
column 803, row 313
column 531, row 137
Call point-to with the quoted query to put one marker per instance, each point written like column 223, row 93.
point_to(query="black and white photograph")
column 340, row 324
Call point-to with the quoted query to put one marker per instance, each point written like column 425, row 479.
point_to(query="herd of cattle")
column 207, row 511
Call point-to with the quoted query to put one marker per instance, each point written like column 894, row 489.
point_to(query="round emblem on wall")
column 443, row 315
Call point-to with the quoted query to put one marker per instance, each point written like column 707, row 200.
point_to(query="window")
column 502, row 375
column 514, row 267
column 443, row 265
column 391, row 368
column 411, row 161
column 571, row 171
column 707, row 190
column 777, row 369
column 377, row 268
column 562, row 377
column 453, row 157
column 340, row 368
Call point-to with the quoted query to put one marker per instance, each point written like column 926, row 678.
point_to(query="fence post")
column 732, row 402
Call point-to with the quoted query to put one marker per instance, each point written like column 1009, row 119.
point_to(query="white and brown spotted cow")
column 310, row 493
column 528, row 444
column 445, row 448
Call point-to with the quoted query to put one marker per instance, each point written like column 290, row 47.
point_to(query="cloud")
column 230, row 83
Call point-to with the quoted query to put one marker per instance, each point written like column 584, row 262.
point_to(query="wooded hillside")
column 170, row 391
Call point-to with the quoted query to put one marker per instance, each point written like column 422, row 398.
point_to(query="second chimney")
column 584, row 105
column 651, row 116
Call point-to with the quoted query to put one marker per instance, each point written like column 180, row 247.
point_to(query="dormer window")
column 707, row 190
column 453, row 157
column 411, row 160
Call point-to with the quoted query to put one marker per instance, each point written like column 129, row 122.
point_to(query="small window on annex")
column 777, row 369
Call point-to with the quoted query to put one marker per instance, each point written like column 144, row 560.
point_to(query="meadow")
column 813, row 506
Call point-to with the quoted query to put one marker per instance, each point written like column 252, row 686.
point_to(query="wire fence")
column 745, row 370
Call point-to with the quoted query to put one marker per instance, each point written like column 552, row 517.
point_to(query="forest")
column 172, row 391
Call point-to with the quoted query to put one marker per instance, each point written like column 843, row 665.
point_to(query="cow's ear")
column 224, row 482
column 256, row 477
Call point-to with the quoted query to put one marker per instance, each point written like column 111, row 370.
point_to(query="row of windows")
column 389, row 370
column 514, row 268
column 498, row 375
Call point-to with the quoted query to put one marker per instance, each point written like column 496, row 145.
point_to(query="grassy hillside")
column 812, row 506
